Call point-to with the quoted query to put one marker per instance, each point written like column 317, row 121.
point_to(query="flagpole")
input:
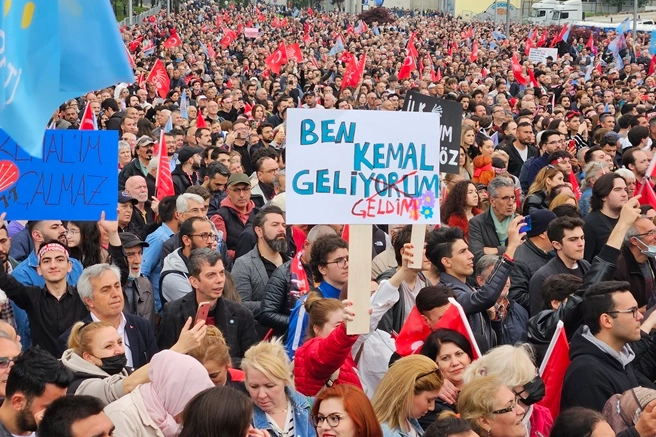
column 635, row 22
column 508, row 17
column 130, row 12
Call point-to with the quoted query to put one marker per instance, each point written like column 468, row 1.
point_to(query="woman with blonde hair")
column 491, row 408
column 468, row 140
column 563, row 199
column 537, row 196
column 278, row 407
column 515, row 368
column 406, row 393
column 465, row 165
column 214, row 354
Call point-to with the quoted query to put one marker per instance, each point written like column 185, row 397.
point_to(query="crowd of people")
column 204, row 314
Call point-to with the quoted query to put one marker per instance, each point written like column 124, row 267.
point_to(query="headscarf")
column 174, row 380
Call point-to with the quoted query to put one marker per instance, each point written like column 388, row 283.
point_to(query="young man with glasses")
column 329, row 262
column 603, row 359
column 488, row 232
column 637, row 265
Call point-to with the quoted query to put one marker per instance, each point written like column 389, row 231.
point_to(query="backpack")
column 161, row 281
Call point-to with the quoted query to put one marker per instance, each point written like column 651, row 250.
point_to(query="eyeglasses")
column 552, row 143
column 633, row 311
column 341, row 262
column 72, row 231
column 206, row 236
column 507, row 198
column 507, row 409
column 5, row 362
column 241, row 190
column 647, row 234
column 332, row 419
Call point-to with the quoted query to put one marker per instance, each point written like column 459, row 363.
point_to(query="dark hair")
column 447, row 425
column 402, row 237
column 440, row 245
column 566, row 210
column 644, row 209
column 65, row 411
column 89, row 251
column 187, row 226
column 199, row 132
column 260, row 217
column 323, row 246
column 166, row 209
column 433, row 296
column 602, row 188
column 109, row 104
column 199, row 190
column 456, row 202
column 637, row 134
column 575, row 421
column 559, row 287
column 215, row 168
column 598, row 300
column 557, row 155
column 201, row 256
column 588, row 154
column 545, row 136
column 628, row 157
column 265, row 152
column 217, row 412
column 262, row 125
column 32, row 370
column 556, row 229
column 437, row 338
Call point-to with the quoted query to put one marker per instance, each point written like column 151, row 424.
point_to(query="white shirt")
column 121, row 332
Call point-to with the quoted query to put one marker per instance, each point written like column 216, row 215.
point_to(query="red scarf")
column 300, row 284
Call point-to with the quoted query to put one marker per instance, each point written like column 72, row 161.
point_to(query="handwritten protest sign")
column 538, row 55
column 76, row 179
column 450, row 126
column 362, row 167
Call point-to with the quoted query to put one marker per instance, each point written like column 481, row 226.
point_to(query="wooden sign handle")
column 359, row 277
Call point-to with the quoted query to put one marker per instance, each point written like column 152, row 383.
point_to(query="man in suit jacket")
column 207, row 277
column 488, row 232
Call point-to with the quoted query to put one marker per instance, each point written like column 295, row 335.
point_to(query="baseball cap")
column 187, row 152
column 238, row 178
column 144, row 140
column 201, row 97
column 124, row 197
column 128, row 239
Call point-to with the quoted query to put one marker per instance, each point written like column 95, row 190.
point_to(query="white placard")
column 362, row 167
column 539, row 55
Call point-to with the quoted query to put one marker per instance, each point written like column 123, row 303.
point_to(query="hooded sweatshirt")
column 176, row 283
column 597, row 372
column 91, row 380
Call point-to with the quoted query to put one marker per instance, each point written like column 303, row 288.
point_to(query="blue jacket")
column 26, row 274
column 302, row 425
column 150, row 266
column 396, row 432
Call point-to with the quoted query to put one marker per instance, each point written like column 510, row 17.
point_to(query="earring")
column 488, row 431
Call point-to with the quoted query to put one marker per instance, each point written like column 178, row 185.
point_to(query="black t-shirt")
column 597, row 229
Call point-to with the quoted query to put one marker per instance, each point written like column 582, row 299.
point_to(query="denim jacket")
column 396, row 432
column 301, row 406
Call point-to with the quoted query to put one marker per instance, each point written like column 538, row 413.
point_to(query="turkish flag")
column 160, row 78
column 455, row 319
column 88, row 121
column 412, row 50
column 553, row 370
column 474, row 53
column 407, row 67
column 517, row 71
column 277, row 59
column 294, row 53
column 135, row 44
column 413, row 334
column 173, row 41
column 163, row 180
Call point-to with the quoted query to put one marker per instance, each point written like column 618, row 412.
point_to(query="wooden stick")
column 417, row 239
column 359, row 278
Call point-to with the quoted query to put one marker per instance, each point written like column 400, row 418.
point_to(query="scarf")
column 175, row 379
column 501, row 228
column 300, row 286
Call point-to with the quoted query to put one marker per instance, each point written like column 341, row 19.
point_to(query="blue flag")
column 184, row 105
column 588, row 71
column 55, row 51
column 623, row 26
column 169, row 125
column 203, row 47
column 652, row 43
column 498, row 35
column 338, row 47
column 376, row 31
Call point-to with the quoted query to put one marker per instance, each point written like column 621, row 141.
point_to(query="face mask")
column 113, row 365
column 650, row 250
column 535, row 391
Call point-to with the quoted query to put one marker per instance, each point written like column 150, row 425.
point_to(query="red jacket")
column 318, row 358
column 460, row 221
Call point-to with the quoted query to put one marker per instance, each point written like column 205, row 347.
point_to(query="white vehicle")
column 548, row 12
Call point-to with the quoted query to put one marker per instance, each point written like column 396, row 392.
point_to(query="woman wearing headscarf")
column 154, row 409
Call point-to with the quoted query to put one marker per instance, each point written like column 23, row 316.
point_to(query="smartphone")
column 527, row 226
column 202, row 312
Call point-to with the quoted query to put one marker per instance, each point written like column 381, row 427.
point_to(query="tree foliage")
column 377, row 15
